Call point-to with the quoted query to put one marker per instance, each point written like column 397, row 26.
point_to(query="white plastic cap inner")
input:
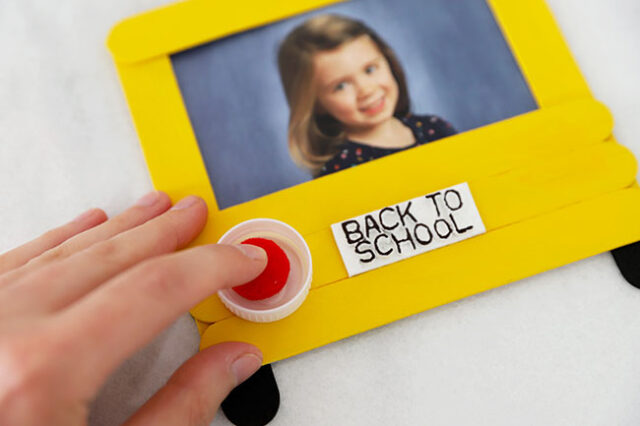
column 295, row 290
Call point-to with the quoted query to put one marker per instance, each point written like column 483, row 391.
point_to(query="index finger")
column 125, row 313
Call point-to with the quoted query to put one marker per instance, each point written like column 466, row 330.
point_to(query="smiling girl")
column 347, row 96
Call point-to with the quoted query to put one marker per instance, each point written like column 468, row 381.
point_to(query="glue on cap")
column 296, row 288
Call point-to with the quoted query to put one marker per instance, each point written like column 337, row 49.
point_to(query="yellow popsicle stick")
column 202, row 326
column 502, row 199
column 195, row 22
column 487, row 261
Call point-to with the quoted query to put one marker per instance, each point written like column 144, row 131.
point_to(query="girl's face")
column 355, row 84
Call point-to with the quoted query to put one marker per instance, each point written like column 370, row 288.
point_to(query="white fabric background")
column 559, row 348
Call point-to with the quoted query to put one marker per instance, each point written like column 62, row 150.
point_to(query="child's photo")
column 322, row 92
column 347, row 96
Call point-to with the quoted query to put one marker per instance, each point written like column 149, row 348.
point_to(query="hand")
column 80, row 299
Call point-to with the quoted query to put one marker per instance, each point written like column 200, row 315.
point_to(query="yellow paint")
column 202, row 326
column 499, row 257
column 542, row 181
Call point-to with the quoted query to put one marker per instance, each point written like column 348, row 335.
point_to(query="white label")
column 406, row 229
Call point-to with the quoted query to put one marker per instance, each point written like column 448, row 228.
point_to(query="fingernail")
column 252, row 252
column 84, row 216
column 149, row 199
column 185, row 203
column 244, row 367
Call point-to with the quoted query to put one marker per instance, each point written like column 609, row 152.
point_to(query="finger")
column 121, row 316
column 196, row 390
column 21, row 255
column 61, row 283
column 147, row 207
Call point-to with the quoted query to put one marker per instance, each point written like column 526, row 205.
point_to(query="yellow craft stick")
column 202, row 326
column 502, row 199
column 196, row 22
column 481, row 263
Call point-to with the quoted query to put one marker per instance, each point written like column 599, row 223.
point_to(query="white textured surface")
column 559, row 348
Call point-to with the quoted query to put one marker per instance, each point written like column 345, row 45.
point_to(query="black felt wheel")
column 628, row 260
column 254, row 402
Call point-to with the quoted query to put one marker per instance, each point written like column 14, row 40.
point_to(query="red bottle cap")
column 285, row 282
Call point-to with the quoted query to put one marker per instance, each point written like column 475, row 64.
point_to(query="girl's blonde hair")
column 315, row 138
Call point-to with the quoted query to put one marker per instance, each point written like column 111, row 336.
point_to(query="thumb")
column 195, row 391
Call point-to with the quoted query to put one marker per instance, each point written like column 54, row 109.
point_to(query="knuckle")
column 32, row 367
column 108, row 248
column 120, row 222
column 4, row 262
column 129, row 219
column 159, row 277
column 108, row 252
column 56, row 253
column 168, row 233
column 4, row 280
column 198, row 407
column 54, row 271
column 153, row 269
column 21, row 369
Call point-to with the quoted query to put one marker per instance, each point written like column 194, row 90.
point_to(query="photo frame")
column 552, row 187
